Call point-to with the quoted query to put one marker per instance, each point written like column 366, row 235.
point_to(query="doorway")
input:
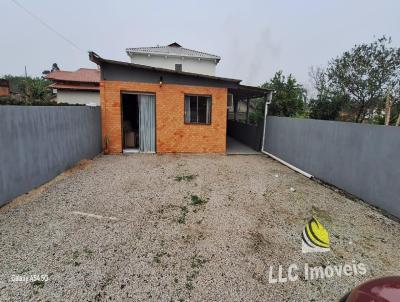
column 138, row 122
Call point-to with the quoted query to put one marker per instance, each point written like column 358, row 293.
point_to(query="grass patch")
column 182, row 217
column 196, row 264
column 38, row 283
column 196, row 200
column 189, row 285
column 75, row 255
column 159, row 255
column 186, row 178
column 87, row 251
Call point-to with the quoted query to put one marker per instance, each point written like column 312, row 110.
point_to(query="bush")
column 19, row 101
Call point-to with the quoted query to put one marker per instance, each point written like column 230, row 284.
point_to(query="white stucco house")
column 76, row 87
column 175, row 57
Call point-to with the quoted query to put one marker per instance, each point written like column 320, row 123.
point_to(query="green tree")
column 289, row 97
column 325, row 108
column 36, row 89
column 364, row 75
column 29, row 89
column 327, row 104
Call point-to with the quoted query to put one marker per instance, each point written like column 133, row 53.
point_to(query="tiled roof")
column 85, row 75
column 173, row 49
column 75, row 87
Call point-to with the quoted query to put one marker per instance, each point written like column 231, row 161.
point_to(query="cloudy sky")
column 254, row 38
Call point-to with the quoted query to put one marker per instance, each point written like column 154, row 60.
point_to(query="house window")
column 197, row 109
column 178, row 67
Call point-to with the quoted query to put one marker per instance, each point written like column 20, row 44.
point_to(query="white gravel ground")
column 143, row 240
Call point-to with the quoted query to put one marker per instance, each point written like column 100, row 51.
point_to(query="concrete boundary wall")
column 39, row 142
column 363, row 160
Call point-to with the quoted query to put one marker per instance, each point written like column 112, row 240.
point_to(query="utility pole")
column 26, row 74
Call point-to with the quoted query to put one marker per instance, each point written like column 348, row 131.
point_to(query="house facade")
column 175, row 57
column 152, row 109
column 76, row 87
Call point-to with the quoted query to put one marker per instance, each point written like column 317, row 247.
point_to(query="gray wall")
column 118, row 72
column 37, row 143
column 363, row 160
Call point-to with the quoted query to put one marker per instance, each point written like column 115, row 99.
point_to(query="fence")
column 363, row 160
column 39, row 142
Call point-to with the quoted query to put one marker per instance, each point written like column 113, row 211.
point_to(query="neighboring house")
column 4, row 87
column 175, row 57
column 152, row 109
column 76, row 87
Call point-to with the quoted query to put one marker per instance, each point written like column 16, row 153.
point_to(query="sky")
column 254, row 38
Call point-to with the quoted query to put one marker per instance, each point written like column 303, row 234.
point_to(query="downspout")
column 267, row 102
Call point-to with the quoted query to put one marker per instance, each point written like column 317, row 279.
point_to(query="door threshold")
column 130, row 151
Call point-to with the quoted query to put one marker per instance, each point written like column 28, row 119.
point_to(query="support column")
column 247, row 111
column 235, row 106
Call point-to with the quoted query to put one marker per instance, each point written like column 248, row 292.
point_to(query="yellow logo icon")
column 315, row 238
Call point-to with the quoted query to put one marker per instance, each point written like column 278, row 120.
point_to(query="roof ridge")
column 173, row 51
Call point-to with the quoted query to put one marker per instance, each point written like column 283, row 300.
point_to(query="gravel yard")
column 185, row 228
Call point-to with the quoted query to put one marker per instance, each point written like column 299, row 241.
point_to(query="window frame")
column 197, row 109
column 178, row 67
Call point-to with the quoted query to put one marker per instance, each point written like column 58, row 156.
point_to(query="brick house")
column 152, row 109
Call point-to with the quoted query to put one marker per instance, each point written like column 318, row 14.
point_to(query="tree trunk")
column 388, row 109
column 360, row 113
column 398, row 121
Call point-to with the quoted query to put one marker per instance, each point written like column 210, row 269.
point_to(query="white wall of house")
column 78, row 97
column 194, row 65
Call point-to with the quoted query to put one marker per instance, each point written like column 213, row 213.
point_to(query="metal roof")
column 174, row 50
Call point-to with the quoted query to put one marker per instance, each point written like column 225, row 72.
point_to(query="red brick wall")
column 4, row 91
column 172, row 134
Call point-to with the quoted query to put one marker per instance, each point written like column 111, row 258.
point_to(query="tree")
column 325, row 108
column 289, row 98
column 36, row 89
column 54, row 67
column 392, row 106
column 29, row 90
column 364, row 75
column 327, row 104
